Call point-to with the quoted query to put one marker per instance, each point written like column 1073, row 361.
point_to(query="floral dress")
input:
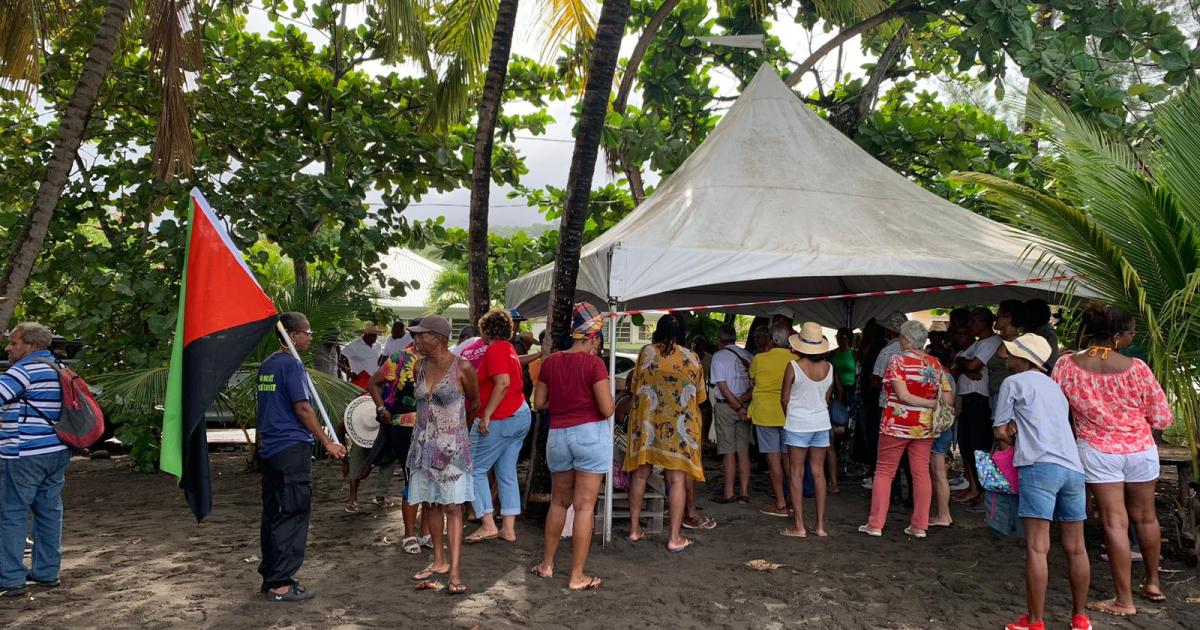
column 439, row 461
column 664, row 424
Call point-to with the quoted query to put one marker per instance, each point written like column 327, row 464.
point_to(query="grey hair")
column 915, row 333
column 779, row 336
column 726, row 334
column 34, row 334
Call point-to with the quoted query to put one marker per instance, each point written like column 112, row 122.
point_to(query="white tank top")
column 808, row 408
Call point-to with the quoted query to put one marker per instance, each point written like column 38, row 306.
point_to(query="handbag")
column 943, row 412
column 996, row 471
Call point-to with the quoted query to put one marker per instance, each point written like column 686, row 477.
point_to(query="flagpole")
column 308, row 382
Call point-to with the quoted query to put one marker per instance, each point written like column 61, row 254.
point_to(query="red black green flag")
column 223, row 315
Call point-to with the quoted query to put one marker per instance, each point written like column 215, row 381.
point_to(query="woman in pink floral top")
column 1116, row 402
column 913, row 381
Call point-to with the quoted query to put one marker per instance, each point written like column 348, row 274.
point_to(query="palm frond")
column 404, row 26
column 567, row 21
column 848, row 11
column 25, row 27
column 451, row 287
column 465, row 34
column 1178, row 161
column 449, row 101
column 174, row 39
column 131, row 392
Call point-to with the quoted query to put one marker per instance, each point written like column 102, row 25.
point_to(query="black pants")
column 287, row 504
column 974, row 427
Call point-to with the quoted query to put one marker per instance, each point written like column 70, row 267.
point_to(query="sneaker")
column 295, row 593
column 959, row 483
column 868, row 483
column 13, row 591
column 1081, row 622
column 1023, row 624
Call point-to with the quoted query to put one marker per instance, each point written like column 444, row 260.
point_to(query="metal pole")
column 612, row 420
column 308, row 383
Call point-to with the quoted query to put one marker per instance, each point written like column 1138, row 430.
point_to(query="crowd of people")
column 1077, row 427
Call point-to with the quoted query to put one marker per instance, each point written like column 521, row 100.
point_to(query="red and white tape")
column 852, row 296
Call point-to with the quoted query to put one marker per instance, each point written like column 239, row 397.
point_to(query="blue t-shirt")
column 280, row 385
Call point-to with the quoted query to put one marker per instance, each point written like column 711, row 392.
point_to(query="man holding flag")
column 286, row 428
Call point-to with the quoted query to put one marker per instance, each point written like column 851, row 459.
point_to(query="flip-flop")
column 687, row 544
column 383, row 503
column 592, row 585
column 784, row 532
column 1154, row 597
column 631, row 540
column 456, row 588
column 743, row 499
column 473, row 539
column 535, row 570
column 428, row 572
column 1110, row 607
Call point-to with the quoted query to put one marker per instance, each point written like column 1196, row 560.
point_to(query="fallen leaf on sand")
column 1193, row 600
column 135, row 541
column 762, row 565
column 429, row 585
column 383, row 542
column 250, row 559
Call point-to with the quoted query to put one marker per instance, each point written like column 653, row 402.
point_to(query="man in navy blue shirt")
column 286, row 428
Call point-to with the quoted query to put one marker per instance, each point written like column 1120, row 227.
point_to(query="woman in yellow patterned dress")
column 664, row 425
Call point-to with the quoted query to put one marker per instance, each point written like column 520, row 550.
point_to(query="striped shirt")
column 24, row 433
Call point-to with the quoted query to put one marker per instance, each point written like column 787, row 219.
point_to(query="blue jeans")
column 31, row 483
column 499, row 448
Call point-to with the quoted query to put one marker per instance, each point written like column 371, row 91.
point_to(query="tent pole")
column 850, row 314
column 612, row 420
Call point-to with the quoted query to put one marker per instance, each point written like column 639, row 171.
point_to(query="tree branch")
column 884, row 16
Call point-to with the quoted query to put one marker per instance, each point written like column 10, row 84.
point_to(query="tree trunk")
column 481, row 171
column 846, row 117
column 300, row 278
column 632, row 174
column 846, row 34
column 607, row 48
column 71, row 126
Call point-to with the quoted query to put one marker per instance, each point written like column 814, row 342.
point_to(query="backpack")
column 80, row 421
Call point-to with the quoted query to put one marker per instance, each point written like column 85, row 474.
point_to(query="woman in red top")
column 913, row 383
column 573, row 387
column 1115, row 403
column 499, row 432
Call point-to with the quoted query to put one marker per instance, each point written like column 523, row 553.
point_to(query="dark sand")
column 135, row 558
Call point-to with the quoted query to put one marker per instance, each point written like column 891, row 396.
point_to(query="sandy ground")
column 135, row 558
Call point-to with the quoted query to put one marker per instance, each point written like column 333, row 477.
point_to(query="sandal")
column 411, row 545
column 428, row 572
column 866, row 529
column 1154, row 597
column 592, row 585
column 383, row 502
column 703, row 523
column 915, row 533
column 1111, row 607
column 743, row 498
column 352, row 507
column 456, row 588
column 537, row 570
column 771, row 510
column 687, row 544
column 723, row 500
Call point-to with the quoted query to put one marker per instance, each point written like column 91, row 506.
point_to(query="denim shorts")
column 941, row 443
column 585, row 448
column 770, row 439
column 806, row 439
column 1052, row 493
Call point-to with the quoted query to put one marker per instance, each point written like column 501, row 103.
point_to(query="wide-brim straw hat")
column 373, row 329
column 811, row 340
column 361, row 426
column 1032, row 348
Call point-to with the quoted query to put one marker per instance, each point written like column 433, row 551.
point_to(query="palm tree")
column 605, row 51
column 173, row 49
column 567, row 18
column 451, row 287
column 1130, row 225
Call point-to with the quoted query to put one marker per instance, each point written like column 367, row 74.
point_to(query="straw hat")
column 373, row 329
column 811, row 340
column 361, row 426
column 1032, row 348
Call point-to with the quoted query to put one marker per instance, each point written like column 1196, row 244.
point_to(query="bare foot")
column 793, row 532
column 542, row 571
column 942, row 523
column 508, row 536
column 821, row 533
column 1111, row 607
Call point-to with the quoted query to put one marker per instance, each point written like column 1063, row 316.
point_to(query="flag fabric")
column 223, row 315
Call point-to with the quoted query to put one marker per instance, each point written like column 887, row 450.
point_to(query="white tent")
column 778, row 204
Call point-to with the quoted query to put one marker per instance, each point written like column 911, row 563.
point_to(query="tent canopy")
column 778, row 204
